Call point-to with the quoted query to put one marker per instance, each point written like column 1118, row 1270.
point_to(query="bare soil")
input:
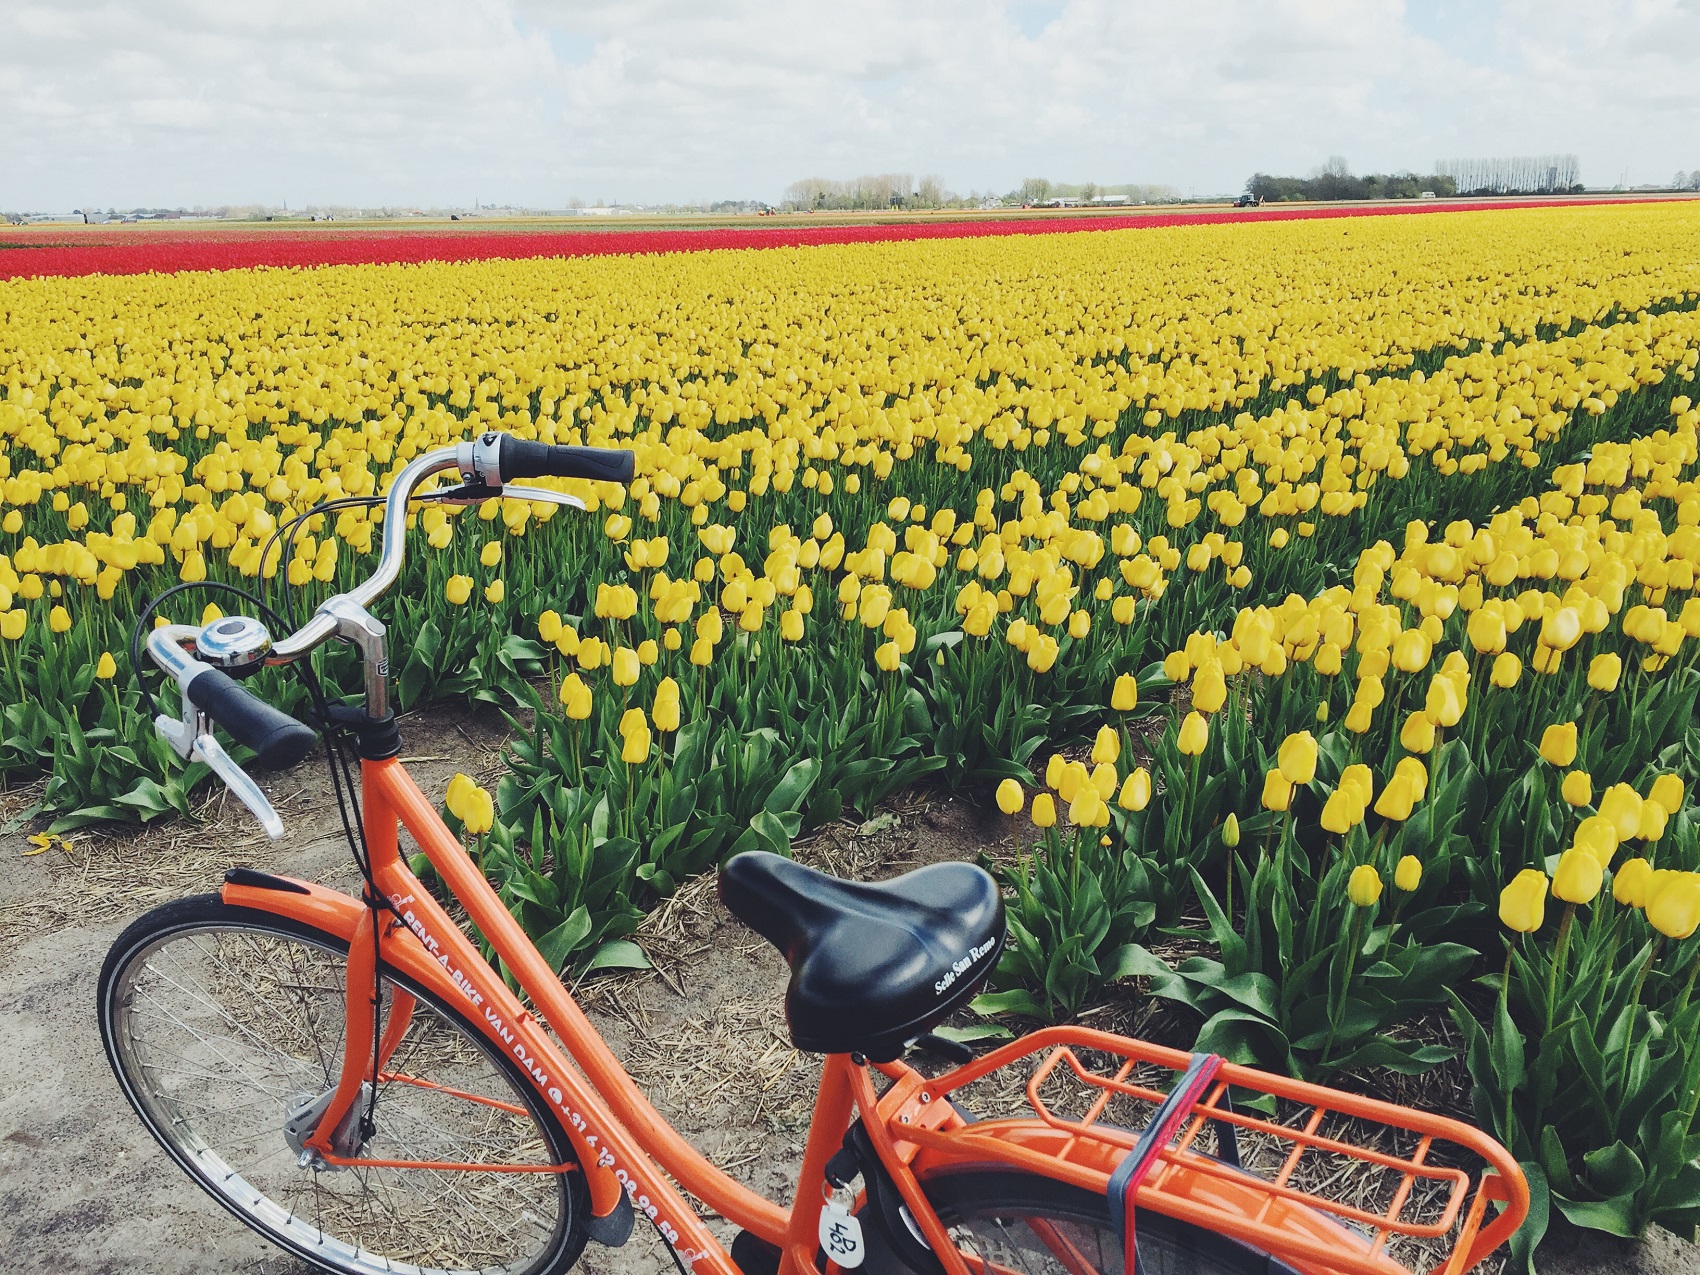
column 85, row 1191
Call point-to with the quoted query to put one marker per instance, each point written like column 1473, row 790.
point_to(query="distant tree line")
column 872, row 190
column 1514, row 175
column 904, row 190
column 1334, row 180
column 1687, row 181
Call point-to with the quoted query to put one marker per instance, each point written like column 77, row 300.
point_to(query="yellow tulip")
column 1408, row 874
column 791, row 626
column 491, row 554
column 106, row 667
column 1044, row 811
column 1010, row 795
column 13, row 623
column 1125, row 696
column 458, row 589
column 59, row 620
column 1486, row 631
column 575, row 697
column 1522, row 904
column 1578, row 788
column 1674, row 909
column 665, row 711
column 702, row 652
column 1444, row 704
column 1411, row 651
column 1604, row 672
column 1277, row 792
column 495, row 592
column 1209, row 688
column 635, row 737
column 625, row 667
column 1396, row 800
column 1577, row 877
column 1296, row 758
column 888, row 657
column 1558, row 744
column 1194, row 734
column 1363, row 887
column 549, row 627
column 1653, row 820
column 1561, row 629
column 1106, row 745
column 1629, row 883
column 1342, row 811
column 1622, row 805
column 1507, row 669
column 1136, row 790
column 1598, row 835
column 1668, row 791
column 1418, row 733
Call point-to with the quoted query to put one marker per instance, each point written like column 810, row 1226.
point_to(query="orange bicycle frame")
column 631, row 1157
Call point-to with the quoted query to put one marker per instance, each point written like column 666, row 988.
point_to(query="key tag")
column 840, row 1235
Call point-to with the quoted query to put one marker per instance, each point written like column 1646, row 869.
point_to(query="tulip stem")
column 1554, row 972
column 1334, row 1011
column 1505, row 1004
column 1688, row 987
column 1635, row 1004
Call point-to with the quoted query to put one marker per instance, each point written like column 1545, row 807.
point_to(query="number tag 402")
column 841, row 1236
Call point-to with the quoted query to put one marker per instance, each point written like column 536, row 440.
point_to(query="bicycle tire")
column 1014, row 1221
column 247, row 979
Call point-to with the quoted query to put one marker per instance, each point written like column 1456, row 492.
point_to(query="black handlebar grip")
column 278, row 740
column 523, row 459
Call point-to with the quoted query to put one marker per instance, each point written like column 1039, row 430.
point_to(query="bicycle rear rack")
column 1326, row 1180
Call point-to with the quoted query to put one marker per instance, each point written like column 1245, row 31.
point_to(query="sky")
column 440, row 103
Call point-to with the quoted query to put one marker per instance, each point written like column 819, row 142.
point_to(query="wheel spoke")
column 223, row 1026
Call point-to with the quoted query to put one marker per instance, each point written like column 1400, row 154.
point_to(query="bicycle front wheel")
column 1021, row 1224
column 223, row 1022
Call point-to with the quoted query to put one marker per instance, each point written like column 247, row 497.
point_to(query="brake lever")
column 236, row 779
column 478, row 493
column 191, row 738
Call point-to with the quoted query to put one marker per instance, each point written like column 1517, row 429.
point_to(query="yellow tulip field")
column 1321, row 590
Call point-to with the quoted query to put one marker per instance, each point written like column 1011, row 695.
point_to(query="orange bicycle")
column 353, row 1080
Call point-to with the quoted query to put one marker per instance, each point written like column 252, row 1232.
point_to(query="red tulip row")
column 144, row 251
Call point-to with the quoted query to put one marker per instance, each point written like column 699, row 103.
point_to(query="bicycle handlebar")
column 278, row 740
column 522, row 459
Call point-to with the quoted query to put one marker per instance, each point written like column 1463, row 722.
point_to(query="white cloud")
column 535, row 101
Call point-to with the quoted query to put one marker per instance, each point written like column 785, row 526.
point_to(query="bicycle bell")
column 237, row 644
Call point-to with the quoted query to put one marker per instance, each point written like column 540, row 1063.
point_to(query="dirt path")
column 85, row 1191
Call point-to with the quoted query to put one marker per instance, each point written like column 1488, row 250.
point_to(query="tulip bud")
column 1296, row 758
column 1558, row 744
column 1622, row 805
column 1577, row 877
column 1522, row 904
column 575, row 697
column 1604, row 672
column 1126, row 693
column 1010, row 796
column 1136, row 790
column 1363, row 887
column 1667, row 790
column 1194, row 735
column 1674, row 909
column 1408, row 875
column 1107, row 746
column 1417, row 734
column 1231, row 831
column 1629, row 883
